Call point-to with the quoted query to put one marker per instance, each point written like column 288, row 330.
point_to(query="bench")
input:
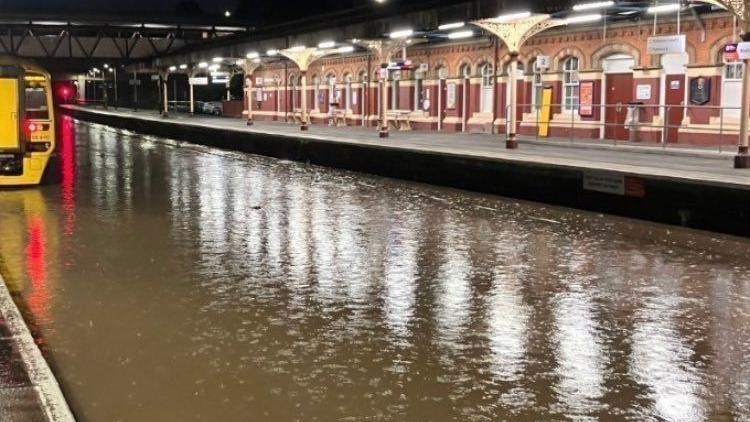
column 399, row 119
column 296, row 116
column 339, row 118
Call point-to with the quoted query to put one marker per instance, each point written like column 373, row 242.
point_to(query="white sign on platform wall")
column 643, row 92
column 199, row 81
column 354, row 98
column 667, row 44
column 383, row 73
column 743, row 50
column 604, row 182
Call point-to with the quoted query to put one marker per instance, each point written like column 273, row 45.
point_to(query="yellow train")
column 27, row 122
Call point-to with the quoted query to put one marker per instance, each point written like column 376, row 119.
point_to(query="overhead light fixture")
column 227, row 14
column 345, row 49
column 214, row 67
column 183, row 66
column 583, row 18
column 106, row 66
column 272, row 52
column 404, row 33
column 454, row 25
column 457, row 35
column 202, row 65
column 252, row 55
column 594, row 5
column 664, row 8
column 327, row 44
column 512, row 16
column 172, row 68
column 297, row 48
column 217, row 59
column 111, row 70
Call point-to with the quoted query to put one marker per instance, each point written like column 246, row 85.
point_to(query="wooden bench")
column 399, row 119
column 296, row 116
column 339, row 118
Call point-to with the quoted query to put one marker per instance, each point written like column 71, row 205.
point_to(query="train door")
column 10, row 126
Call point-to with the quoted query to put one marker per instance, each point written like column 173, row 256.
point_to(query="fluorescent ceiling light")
column 217, row 59
column 214, row 67
column 252, row 55
column 172, row 68
column 454, row 25
column 345, row 49
column 202, row 65
column 183, row 66
column 297, row 48
column 457, row 35
column 327, row 44
column 272, row 52
column 405, row 33
column 583, row 18
column 664, row 8
column 594, row 5
column 512, row 16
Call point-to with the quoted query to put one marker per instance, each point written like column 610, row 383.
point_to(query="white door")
column 731, row 96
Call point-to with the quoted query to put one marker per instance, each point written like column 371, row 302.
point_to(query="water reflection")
column 210, row 285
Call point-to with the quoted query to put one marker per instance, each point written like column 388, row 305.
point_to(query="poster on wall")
column 450, row 98
column 700, row 90
column 586, row 98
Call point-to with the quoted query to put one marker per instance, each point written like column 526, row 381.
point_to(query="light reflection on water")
column 176, row 282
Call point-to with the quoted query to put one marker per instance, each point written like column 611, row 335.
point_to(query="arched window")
column 395, row 78
column 418, row 97
column 348, row 91
column 316, row 92
column 570, row 83
column 442, row 72
column 331, row 84
column 465, row 71
column 488, row 76
column 362, row 77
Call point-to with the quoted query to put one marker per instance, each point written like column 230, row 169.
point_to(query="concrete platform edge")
column 50, row 395
column 712, row 205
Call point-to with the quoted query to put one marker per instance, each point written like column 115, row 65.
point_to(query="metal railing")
column 634, row 124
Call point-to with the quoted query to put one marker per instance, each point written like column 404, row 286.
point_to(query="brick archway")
column 465, row 61
column 559, row 58
column 716, row 51
column 436, row 65
column 616, row 48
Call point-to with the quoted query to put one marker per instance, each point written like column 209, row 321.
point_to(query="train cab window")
column 36, row 101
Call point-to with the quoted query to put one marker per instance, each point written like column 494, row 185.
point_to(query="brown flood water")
column 170, row 282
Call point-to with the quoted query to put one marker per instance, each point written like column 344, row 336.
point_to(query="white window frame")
column 418, row 85
column 570, row 84
column 537, row 87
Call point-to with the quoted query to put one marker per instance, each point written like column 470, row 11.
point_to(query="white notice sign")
column 643, row 92
column 604, row 182
column 743, row 50
column 199, row 81
column 667, row 44
column 542, row 62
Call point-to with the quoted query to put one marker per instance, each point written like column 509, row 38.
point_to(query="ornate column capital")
column 302, row 57
column 515, row 33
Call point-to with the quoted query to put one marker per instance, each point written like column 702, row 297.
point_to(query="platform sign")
column 743, row 51
column 199, row 81
column 450, row 101
column 667, row 44
column 542, row 62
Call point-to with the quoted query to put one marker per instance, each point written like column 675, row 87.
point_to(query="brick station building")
column 464, row 86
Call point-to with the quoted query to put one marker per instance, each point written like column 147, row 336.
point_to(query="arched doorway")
column 618, row 87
